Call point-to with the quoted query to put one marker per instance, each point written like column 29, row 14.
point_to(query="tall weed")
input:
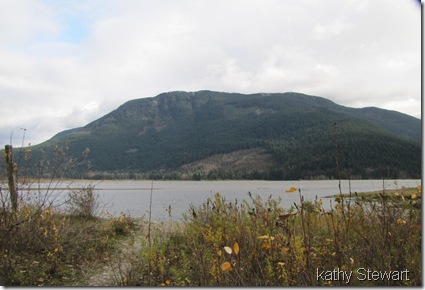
column 258, row 243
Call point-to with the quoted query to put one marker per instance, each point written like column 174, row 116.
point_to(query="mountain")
column 212, row 135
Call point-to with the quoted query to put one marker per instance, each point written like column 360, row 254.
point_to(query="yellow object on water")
column 292, row 189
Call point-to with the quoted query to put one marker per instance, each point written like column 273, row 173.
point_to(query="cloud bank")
column 64, row 64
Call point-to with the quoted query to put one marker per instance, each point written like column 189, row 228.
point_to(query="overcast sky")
column 64, row 64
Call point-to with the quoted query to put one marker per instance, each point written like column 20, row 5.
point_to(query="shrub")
column 40, row 246
column 83, row 202
column 258, row 243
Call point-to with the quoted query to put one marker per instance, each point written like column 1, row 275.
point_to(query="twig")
column 150, row 218
column 149, row 234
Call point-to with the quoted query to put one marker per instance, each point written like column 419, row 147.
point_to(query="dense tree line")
column 154, row 137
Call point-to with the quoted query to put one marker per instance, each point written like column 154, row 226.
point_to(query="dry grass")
column 221, row 243
column 402, row 195
column 258, row 243
column 41, row 246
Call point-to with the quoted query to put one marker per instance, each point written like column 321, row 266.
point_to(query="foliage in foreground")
column 41, row 246
column 258, row 243
column 222, row 243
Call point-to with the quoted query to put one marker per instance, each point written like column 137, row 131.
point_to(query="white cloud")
column 337, row 27
column 64, row 64
column 403, row 104
column 20, row 22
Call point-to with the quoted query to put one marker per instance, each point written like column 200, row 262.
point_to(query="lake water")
column 132, row 196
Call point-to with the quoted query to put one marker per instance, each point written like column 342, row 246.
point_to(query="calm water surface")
column 132, row 196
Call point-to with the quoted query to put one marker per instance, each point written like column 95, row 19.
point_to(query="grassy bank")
column 226, row 243
column 222, row 243
column 398, row 195
column 42, row 247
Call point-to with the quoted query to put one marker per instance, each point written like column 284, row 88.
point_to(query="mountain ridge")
column 157, row 137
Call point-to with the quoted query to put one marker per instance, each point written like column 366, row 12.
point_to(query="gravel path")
column 110, row 271
column 107, row 273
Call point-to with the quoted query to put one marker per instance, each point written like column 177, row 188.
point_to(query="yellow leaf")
column 402, row 197
column 236, row 248
column 266, row 245
column 281, row 264
column 219, row 253
column 413, row 196
column 167, row 282
column 352, row 261
column 225, row 266
column 292, row 189
column 419, row 188
column 228, row 250
column 284, row 250
column 266, row 237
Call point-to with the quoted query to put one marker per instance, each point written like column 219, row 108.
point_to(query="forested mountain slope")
column 198, row 134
